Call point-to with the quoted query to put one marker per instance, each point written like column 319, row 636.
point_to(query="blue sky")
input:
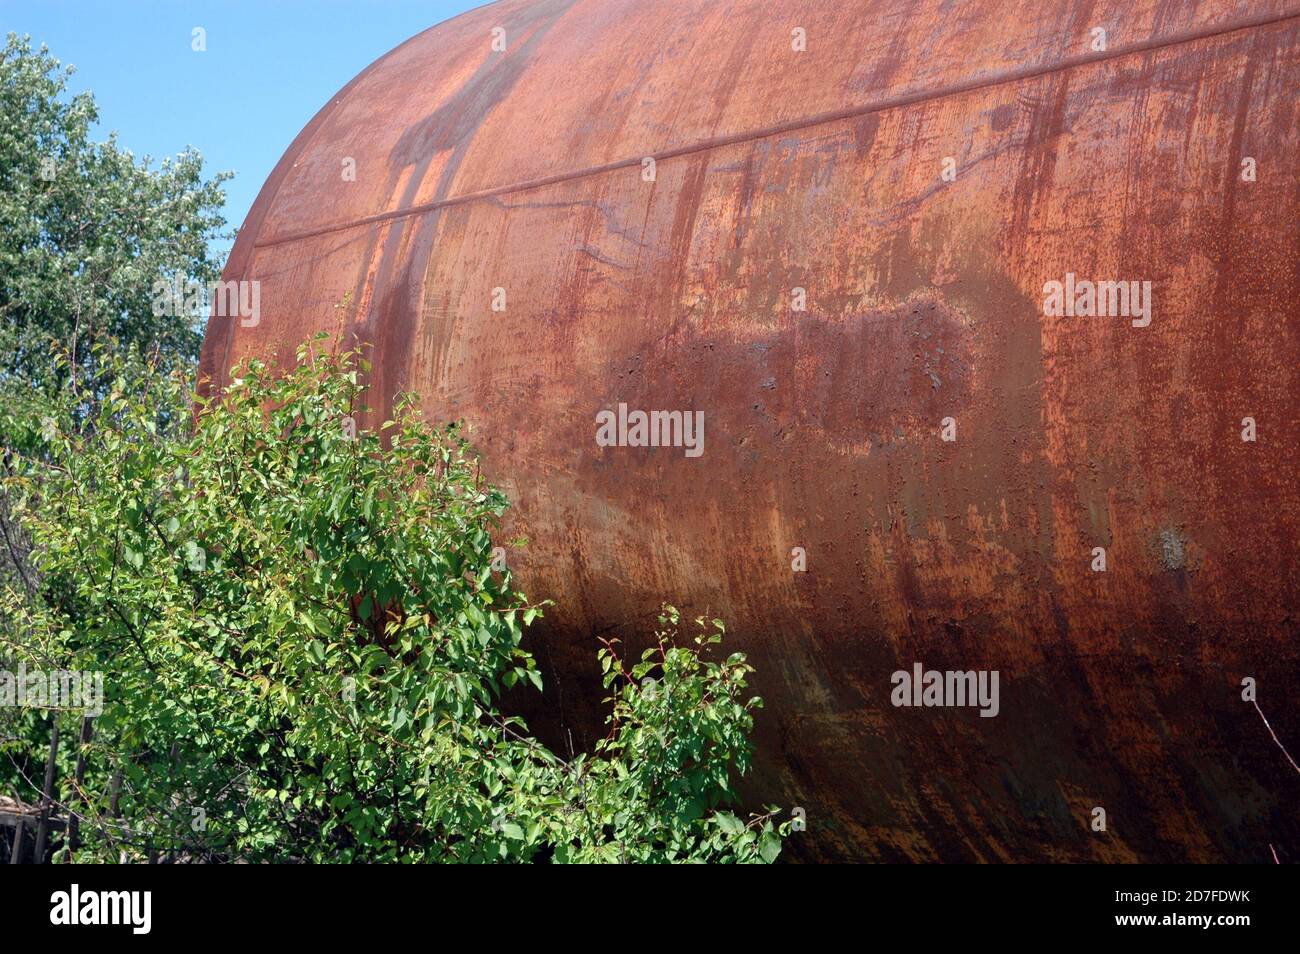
column 269, row 66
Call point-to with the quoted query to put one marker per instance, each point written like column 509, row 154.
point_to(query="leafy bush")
column 304, row 643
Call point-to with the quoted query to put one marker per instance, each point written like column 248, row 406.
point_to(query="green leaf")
column 730, row 823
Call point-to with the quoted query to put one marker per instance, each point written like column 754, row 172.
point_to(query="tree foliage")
column 85, row 232
column 86, row 229
column 305, row 641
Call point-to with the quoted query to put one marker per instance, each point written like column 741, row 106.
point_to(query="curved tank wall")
column 842, row 256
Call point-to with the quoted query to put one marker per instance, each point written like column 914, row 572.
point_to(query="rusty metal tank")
column 843, row 255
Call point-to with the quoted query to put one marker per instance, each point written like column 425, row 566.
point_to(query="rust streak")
column 880, row 105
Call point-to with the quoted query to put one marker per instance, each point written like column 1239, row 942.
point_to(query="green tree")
column 305, row 634
column 86, row 230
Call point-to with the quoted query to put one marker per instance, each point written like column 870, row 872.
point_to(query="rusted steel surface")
column 823, row 170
